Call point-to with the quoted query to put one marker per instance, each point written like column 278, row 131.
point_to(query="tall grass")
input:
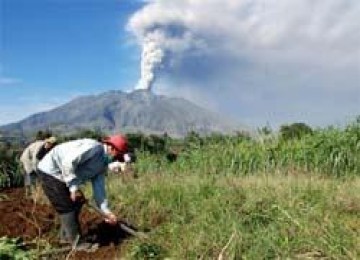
column 233, row 197
column 259, row 217
column 330, row 151
column 10, row 168
column 240, row 198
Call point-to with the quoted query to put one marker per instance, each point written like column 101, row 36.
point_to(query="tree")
column 41, row 135
column 294, row 131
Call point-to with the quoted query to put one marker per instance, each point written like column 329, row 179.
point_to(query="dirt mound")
column 20, row 217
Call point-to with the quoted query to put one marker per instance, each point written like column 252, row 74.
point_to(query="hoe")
column 123, row 226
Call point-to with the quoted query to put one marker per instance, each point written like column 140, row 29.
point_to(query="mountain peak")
column 141, row 92
column 141, row 95
column 113, row 111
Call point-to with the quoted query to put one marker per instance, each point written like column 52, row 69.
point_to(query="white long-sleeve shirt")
column 76, row 162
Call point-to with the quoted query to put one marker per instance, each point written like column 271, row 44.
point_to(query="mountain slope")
column 118, row 111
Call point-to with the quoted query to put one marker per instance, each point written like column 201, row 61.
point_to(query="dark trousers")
column 58, row 194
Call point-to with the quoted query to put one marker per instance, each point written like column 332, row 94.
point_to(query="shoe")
column 63, row 240
column 69, row 227
column 70, row 233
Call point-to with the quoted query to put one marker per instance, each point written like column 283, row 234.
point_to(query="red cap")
column 118, row 141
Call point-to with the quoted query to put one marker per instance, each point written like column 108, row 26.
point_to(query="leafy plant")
column 11, row 249
column 148, row 251
column 10, row 168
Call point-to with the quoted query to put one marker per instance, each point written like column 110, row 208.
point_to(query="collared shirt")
column 76, row 162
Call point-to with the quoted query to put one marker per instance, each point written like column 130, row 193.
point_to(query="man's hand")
column 77, row 196
column 111, row 218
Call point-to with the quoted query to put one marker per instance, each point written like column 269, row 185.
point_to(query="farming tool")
column 123, row 226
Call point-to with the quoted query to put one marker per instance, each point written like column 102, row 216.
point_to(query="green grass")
column 232, row 197
column 259, row 217
column 242, row 198
column 10, row 249
column 331, row 151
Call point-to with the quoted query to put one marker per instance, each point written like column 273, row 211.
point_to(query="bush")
column 10, row 248
column 294, row 131
column 10, row 168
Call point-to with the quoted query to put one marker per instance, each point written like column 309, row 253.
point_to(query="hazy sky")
column 258, row 61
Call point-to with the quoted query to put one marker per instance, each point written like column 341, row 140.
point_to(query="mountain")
column 114, row 111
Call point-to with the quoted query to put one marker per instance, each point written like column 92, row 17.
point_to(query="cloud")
column 5, row 81
column 261, row 60
column 246, row 27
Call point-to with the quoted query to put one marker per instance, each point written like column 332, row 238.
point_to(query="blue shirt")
column 76, row 162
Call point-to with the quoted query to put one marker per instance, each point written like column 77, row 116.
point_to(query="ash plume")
column 161, row 41
column 151, row 58
column 237, row 52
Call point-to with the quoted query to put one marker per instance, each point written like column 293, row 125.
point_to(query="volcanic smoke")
column 151, row 58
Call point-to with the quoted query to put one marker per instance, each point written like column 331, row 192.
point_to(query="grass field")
column 255, row 217
column 245, row 198
column 235, row 197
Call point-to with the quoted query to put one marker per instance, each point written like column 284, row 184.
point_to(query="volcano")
column 117, row 111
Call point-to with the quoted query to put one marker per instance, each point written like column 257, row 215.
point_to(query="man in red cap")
column 71, row 164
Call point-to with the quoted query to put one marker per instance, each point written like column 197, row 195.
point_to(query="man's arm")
column 99, row 192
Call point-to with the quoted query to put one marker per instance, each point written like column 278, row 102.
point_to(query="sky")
column 259, row 62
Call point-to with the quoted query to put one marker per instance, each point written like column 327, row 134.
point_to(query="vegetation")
column 330, row 151
column 10, row 168
column 253, row 217
column 296, row 130
column 236, row 197
column 294, row 195
column 11, row 249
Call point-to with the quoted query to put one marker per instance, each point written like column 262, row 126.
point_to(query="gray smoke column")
column 151, row 58
column 162, row 36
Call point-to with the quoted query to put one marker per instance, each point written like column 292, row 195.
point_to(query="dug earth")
column 22, row 218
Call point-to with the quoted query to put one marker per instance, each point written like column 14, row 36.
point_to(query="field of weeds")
column 254, row 217
column 222, row 197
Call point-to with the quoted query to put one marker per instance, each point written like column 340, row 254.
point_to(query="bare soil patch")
column 21, row 217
